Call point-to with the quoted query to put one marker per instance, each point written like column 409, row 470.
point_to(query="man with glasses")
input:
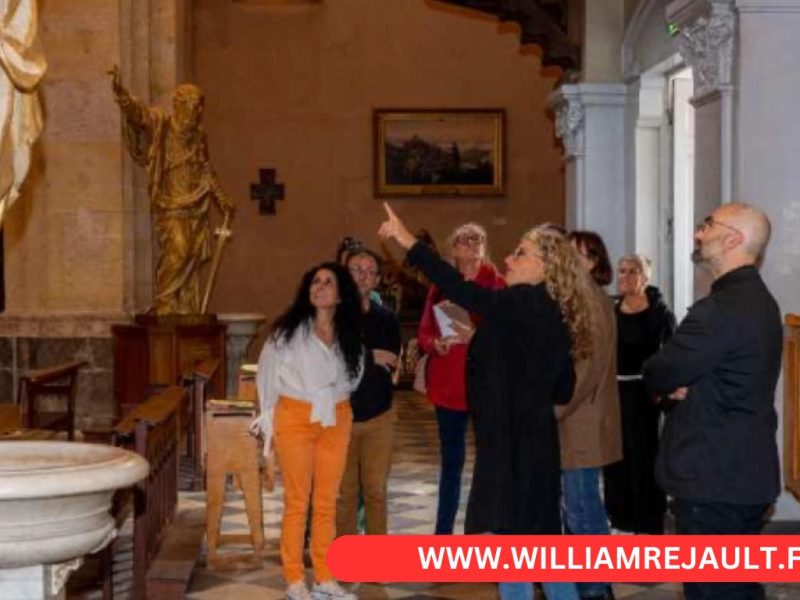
column 718, row 457
column 370, row 449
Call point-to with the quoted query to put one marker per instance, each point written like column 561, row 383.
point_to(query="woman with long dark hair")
column 311, row 362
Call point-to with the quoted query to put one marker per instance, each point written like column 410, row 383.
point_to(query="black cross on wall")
column 266, row 191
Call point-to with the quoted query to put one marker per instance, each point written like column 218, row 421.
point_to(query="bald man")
column 718, row 457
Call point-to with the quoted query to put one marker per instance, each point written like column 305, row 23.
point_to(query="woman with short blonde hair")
column 634, row 501
column 446, row 365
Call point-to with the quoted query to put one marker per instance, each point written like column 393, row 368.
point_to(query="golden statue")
column 181, row 184
column 22, row 66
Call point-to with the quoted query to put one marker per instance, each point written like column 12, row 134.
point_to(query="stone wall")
column 37, row 343
column 293, row 88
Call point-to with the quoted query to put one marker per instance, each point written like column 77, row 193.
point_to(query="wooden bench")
column 152, row 429
column 156, row 497
column 59, row 381
column 151, row 411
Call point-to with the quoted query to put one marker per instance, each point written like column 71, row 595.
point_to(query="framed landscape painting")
column 457, row 152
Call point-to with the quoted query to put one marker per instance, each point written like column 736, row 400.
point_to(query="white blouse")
column 303, row 368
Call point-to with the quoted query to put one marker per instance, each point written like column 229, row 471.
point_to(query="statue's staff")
column 222, row 232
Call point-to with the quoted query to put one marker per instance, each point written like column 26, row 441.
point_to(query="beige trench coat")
column 589, row 426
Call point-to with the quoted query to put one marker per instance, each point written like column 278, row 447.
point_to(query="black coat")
column 718, row 445
column 660, row 321
column 518, row 367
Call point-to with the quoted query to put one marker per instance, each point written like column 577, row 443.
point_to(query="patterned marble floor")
column 412, row 491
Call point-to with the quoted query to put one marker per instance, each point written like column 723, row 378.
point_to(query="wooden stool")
column 231, row 449
column 246, row 386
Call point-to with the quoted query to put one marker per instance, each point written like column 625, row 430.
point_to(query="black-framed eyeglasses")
column 360, row 271
column 520, row 252
column 710, row 221
column 472, row 239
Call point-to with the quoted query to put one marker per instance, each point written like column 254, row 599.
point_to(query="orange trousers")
column 312, row 460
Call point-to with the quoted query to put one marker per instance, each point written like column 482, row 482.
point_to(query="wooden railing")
column 153, row 429
column 156, row 496
column 201, row 377
column 791, row 404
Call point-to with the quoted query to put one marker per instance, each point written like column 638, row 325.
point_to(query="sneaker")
column 615, row 531
column 330, row 590
column 298, row 591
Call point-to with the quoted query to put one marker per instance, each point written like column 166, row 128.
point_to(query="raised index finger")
column 390, row 212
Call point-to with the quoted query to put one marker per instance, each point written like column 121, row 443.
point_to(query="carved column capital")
column 707, row 45
column 569, row 113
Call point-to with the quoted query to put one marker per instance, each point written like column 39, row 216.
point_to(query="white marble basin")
column 55, row 498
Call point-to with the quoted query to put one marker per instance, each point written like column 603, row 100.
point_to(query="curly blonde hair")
column 568, row 284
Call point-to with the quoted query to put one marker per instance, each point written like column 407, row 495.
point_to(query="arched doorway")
column 660, row 151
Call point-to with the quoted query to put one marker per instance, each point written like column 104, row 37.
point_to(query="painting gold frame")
column 442, row 152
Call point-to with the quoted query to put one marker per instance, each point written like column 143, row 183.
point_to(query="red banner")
column 619, row 558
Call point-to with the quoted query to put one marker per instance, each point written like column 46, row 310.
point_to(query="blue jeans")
column 584, row 513
column 524, row 591
column 453, row 444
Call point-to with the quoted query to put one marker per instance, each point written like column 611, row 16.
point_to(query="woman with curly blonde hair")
column 567, row 284
column 519, row 365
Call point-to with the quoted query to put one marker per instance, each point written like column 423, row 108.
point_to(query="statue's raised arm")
column 138, row 120
column 133, row 110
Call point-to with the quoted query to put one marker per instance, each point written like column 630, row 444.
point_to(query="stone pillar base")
column 37, row 582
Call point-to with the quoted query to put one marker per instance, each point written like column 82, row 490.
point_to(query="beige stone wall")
column 604, row 28
column 294, row 89
column 63, row 238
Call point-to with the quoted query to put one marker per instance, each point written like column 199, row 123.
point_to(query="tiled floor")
column 412, row 489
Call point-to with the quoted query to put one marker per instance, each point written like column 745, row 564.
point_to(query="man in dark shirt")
column 718, row 456
column 370, row 450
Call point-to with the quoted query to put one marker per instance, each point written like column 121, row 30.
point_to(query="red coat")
column 445, row 378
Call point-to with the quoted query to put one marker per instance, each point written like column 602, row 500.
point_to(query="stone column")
column 590, row 120
column 241, row 329
column 766, row 150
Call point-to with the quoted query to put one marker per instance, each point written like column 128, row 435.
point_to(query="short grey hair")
column 642, row 262
column 470, row 227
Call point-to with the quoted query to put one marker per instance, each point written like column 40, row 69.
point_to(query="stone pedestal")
column 38, row 582
column 241, row 329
